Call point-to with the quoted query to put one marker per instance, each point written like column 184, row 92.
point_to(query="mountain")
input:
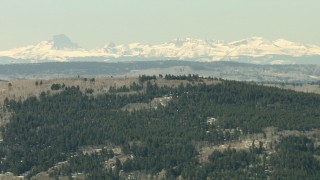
column 61, row 41
column 253, row 50
column 58, row 48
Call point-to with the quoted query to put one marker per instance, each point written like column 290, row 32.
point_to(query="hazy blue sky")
column 92, row 23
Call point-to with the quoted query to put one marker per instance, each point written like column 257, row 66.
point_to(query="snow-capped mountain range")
column 254, row 50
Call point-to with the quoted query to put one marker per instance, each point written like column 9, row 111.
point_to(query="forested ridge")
column 53, row 128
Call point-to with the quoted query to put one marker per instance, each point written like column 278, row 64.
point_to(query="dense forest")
column 53, row 128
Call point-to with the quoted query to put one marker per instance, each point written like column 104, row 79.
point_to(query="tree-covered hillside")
column 53, row 128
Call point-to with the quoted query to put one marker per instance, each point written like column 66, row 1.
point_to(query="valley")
column 294, row 74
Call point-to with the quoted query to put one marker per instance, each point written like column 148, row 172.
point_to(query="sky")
column 93, row 23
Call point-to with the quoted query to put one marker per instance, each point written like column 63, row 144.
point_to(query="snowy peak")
column 253, row 42
column 185, row 41
column 58, row 48
column 61, row 48
column 287, row 44
column 61, row 41
column 109, row 45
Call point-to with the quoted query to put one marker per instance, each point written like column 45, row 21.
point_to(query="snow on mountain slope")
column 257, row 46
column 61, row 48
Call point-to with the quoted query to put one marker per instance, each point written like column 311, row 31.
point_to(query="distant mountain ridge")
column 295, row 73
column 253, row 50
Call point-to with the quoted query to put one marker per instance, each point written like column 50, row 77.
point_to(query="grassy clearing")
column 268, row 138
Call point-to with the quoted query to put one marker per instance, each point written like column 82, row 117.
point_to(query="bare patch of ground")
column 42, row 176
column 22, row 89
column 142, row 175
column 10, row 176
column 270, row 135
column 155, row 103
column 307, row 88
